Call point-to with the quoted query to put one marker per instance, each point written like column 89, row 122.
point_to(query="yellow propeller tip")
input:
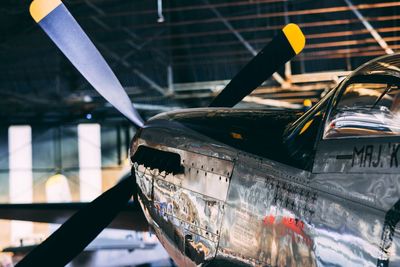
column 39, row 9
column 295, row 37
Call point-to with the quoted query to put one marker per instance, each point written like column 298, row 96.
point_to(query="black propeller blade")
column 76, row 233
column 285, row 45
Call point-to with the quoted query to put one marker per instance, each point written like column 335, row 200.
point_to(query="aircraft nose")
column 134, row 144
column 143, row 183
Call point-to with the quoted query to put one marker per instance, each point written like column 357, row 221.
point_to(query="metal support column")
column 160, row 12
column 170, row 79
column 288, row 65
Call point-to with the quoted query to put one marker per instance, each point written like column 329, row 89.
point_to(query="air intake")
column 157, row 159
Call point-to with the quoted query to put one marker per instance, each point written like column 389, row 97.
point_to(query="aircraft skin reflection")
column 283, row 194
column 214, row 209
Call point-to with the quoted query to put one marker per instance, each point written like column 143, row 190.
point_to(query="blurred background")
column 61, row 142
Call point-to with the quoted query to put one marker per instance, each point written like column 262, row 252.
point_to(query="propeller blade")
column 285, row 45
column 55, row 19
column 76, row 233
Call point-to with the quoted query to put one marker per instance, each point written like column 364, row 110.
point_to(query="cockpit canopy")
column 367, row 103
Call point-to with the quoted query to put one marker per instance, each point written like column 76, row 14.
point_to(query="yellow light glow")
column 237, row 136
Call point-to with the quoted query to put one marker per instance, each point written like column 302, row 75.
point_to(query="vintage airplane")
column 232, row 187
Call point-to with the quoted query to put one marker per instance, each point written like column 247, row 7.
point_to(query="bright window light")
column 89, row 145
column 20, row 164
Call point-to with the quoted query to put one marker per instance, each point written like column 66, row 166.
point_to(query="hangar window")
column 365, row 109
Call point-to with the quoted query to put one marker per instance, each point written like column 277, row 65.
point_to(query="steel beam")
column 242, row 40
column 122, row 60
column 139, row 47
column 150, row 107
column 369, row 27
column 271, row 102
column 316, row 77
column 139, row 73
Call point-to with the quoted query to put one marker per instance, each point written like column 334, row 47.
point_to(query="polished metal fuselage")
column 231, row 207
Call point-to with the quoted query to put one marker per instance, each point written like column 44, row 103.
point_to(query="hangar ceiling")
column 181, row 54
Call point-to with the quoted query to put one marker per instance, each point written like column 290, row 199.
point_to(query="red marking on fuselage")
column 270, row 219
column 292, row 224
